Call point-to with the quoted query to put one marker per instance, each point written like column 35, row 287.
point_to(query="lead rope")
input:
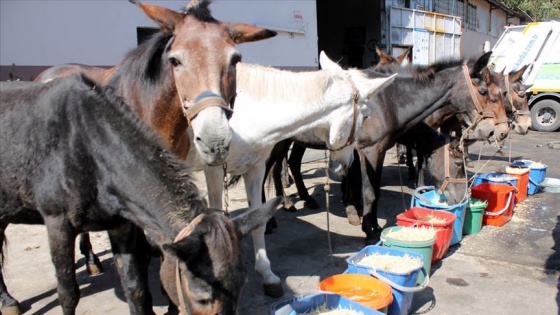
column 327, row 205
column 226, row 196
column 180, row 292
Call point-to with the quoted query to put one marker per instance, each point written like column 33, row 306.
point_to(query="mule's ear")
column 376, row 85
column 486, row 76
column 250, row 220
column 187, row 248
column 244, row 33
column 327, row 64
column 402, row 56
column 165, row 18
column 516, row 76
column 480, row 64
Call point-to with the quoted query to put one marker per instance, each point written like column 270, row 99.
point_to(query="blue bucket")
column 537, row 174
column 427, row 197
column 306, row 303
column 402, row 285
column 495, row 178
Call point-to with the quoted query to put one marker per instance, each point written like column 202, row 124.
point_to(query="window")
column 470, row 20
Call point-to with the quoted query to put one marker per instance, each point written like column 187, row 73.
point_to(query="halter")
column 448, row 179
column 355, row 98
column 204, row 100
column 516, row 112
column 481, row 113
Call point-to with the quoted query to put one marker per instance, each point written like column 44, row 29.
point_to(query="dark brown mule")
column 75, row 158
column 186, row 69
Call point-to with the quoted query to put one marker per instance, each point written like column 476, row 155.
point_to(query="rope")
column 327, row 190
column 226, row 195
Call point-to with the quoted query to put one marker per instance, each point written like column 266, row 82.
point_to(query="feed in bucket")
column 397, row 264
column 324, row 309
column 410, row 233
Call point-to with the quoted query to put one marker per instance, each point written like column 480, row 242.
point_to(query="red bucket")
column 501, row 199
column 444, row 231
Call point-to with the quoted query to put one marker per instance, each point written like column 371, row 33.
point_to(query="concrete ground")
column 512, row 269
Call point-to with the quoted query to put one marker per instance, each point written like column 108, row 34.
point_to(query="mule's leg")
column 93, row 265
column 295, row 166
column 132, row 256
column 10, row 306
column 61, row 242
column 279, row 152
column 253, row 184
column 369, row 158
column 410, row 163
column 420, row 173
column 351, row 187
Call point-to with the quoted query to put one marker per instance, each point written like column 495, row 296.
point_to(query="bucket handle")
column 419, row 288
column 511, row 184
column 534, row 183
column 493, row 214
column 419, row 196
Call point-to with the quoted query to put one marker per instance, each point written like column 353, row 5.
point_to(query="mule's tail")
column 233, row 180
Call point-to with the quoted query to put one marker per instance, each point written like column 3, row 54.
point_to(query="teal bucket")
column 403, row 285
column 427, row 197
column 424, row 248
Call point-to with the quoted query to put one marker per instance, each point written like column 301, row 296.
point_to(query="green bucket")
column 473, row 216
column 424, row 248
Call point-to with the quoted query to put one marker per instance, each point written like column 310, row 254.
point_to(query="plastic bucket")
column 363, row 289
column 537, row 174
column 444, row 231
column 427, row 197
column 473, row 216
column 424, row 248
column 495, row 178
column 501, row 199
column 403, row 284
column 306, row 303
column 522, row 174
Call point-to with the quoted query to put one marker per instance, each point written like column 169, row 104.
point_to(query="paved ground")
column 512, row 269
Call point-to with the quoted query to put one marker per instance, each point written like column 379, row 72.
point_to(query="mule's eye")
column 521, row 93
column 174, row 61
column 204, row 301
column 493, row 100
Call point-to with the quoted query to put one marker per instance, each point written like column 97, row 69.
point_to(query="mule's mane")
column 270, row 84
column 200, row 9
column 144, row 64
column 420, row 74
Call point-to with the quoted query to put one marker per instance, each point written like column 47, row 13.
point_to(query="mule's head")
column 351, row 89
column 448, row 176
column 515, row 100
column 203, row 270
column 202, row 54
column 482, row 111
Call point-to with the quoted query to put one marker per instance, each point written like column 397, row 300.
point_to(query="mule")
column 380, row 131
column 76, row 158
column 182, row 76
column 272, row 105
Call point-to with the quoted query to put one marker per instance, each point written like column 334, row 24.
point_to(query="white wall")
column 39, row 32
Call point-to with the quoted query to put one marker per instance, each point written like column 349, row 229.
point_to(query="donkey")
column 76, row 158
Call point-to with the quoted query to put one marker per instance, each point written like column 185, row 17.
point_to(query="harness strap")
column 448, row 180
column 355, row 98
column 180, row 291
column 477, row 104
column 204, row 103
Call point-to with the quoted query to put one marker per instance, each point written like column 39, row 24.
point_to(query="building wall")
column 35, row 34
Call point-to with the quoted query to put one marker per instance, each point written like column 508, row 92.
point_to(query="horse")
column 272, row 105
column 187, row 69
column 418, row 87
column 75, row 158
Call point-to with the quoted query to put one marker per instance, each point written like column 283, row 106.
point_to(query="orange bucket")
column 522, row 175
column 360, row 288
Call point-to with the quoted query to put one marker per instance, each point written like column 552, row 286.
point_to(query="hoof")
column 94, row 269
column 352, row 215
column 273, row 290
column 291, row 208
column 311, row 204
column 10, row 310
